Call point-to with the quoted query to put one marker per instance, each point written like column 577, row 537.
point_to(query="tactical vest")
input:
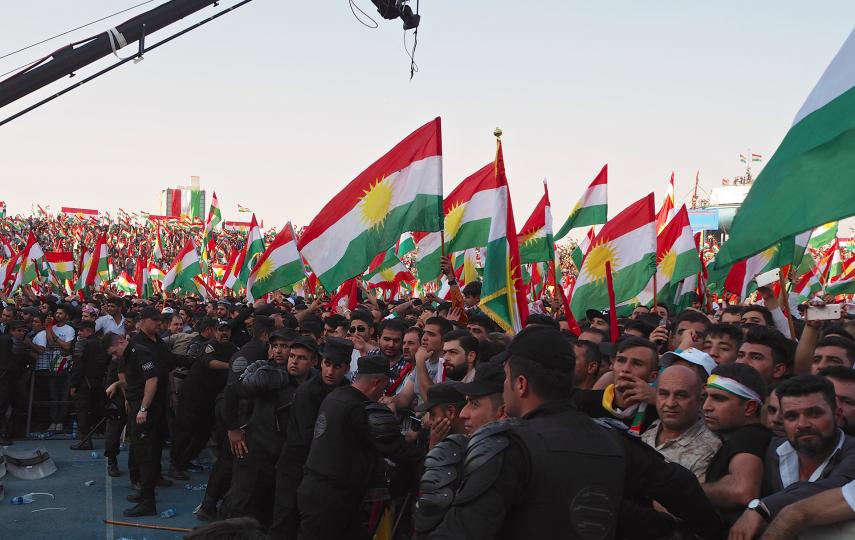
column 576, row 483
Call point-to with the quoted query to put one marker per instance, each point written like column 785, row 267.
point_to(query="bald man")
column 680, row 433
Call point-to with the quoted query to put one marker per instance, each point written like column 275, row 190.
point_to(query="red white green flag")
column 31, row 255
column 279, row 266
column 142, row 280
column 666, row 212
column 628, row 243
column 502, row 292
column 400, row 192
column 582, row 248
column 61, row 264
column 184, row 268
column 467, row 211
column 125, row 283
column 535, row 239
column 252, row 252
column 387, row 272
column 592, row 208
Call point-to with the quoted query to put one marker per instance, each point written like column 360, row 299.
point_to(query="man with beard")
column 391, row 338
column 843, row 379
column 816, row 456
column 335, row 363
column 459, row 350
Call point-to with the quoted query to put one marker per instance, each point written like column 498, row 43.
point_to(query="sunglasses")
column 354, row 329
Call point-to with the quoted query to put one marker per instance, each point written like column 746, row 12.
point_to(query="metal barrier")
column 50, row 387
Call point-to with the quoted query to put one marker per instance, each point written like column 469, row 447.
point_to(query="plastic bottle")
column 168, row 513
column 26, row 499
column 73, row 435
column 94, row 455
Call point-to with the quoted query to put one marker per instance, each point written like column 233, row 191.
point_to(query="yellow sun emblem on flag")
column 265, row 268
column 770, row 252
column 595, row 261
column 388, row 274
column 531, row 236
column 375, row 203
column 454, row 218
column 668, row 263
column 576, row 208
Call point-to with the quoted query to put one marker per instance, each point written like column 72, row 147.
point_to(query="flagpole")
column 784, row 301
column 613, row 322
column 654, row 290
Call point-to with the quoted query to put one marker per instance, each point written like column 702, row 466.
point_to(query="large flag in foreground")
column 279, row 266
column 400, row 192
column 502, row 295
column 252, row 251
column 819, row 150
column 467, row 211
column 628, row 243
column 676, row 252
column 592, row 208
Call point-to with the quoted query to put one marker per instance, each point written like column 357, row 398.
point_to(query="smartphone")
column 767, row 278
column 828, row 312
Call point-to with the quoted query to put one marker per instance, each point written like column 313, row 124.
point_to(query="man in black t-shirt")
column 735, row 395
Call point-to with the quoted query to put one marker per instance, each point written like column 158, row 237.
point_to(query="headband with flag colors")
column 279, row 266
column 592, row 208
column 818, row 150
column 502, row 292
column 400, row 192
column 467, row 212
column 734, row 387
column 628, row 243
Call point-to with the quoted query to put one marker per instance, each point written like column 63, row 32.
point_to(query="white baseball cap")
column 691, row 355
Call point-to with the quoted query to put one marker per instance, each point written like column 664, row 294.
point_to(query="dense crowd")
column 422, row 415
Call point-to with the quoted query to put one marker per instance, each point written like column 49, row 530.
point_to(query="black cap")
column 151, row 313
column 489, row 379
column 592, row 314
column 367, row 365
column 300, row 341
column 224, row 322
column 337, row 350
column 442, row 394
column 544, row 345
column 266, row 310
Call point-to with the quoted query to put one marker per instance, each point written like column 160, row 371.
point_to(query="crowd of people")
column 422, row 415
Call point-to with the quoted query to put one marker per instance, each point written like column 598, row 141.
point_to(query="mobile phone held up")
column 828, row 312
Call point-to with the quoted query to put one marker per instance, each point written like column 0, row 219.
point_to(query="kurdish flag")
column 252, row 252
column 502, row 292
column 535, row 239
column 676, row 251
column 158, row 244
column 184, row 268
column 61, row 264
column 844, row 285
column 215, row 217
column 406, row 244
column 666, row 213
column 628, row 243
column 582, row 248
column 592, row 208
column 742, row 273
column 126, row 284
column 93, row 264
column 822, row 235
column 31, row 255
column 819, row 150
column 468, row 210
column 279, row 266
column 400, row 192
column 391, row 274
column 142, row 279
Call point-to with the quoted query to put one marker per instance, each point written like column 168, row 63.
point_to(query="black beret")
column 544, row 345
column 367, row 365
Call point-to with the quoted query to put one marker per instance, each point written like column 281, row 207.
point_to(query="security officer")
column 12, row 364
column 352, row 434
column 209, row 352
column 141, row 374
column 114, row 408
column 335, row 362
column 87, row 381
column 221, row 475
column 148, row 338
column 555, row 472
column 270, row 386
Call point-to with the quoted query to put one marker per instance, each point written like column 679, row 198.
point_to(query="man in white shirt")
column 112, row 322
column 54, row 345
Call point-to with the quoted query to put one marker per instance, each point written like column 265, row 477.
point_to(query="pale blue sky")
column 279, row 104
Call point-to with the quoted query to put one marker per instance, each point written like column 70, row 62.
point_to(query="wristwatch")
column 758, row 506
column 144, row 409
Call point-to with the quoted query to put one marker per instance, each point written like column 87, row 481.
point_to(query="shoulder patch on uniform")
column 320, row 425
column 148, row 365
column 209, row 349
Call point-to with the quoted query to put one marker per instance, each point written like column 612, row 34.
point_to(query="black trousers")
column 89, row 402
column 113, row 434
column 286, row 513
column 7, row 394
column 252, row 488
column 220, row 478
column 194, row 421
column 145, row 448
column 328, row 513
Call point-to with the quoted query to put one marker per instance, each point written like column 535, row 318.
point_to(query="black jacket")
column 90, row 363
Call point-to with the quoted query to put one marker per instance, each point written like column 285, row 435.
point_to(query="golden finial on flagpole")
column 498, row 133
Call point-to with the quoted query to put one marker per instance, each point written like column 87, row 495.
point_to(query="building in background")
column 184, row 201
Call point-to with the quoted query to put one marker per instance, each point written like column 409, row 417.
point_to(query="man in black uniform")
column 221, row 475
column 145, row 410
column 554, row 472
column 335, row 362
column 148, row 337
column 352, row 434
column 87, row 381
column 117, row 418
column 12, row 364
column 270, row 386
column 198, row 393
